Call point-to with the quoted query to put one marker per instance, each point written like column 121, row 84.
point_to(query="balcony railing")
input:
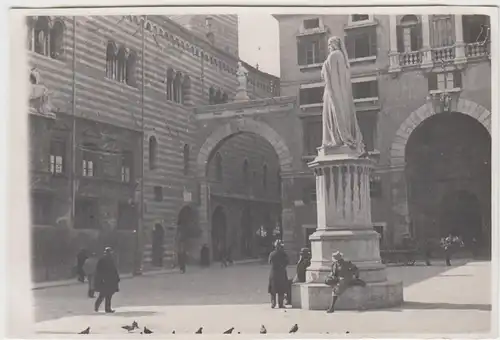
column 410, row 58
column 476, row 50
column 440, row 54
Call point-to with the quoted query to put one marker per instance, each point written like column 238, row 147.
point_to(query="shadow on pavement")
column 130, row 313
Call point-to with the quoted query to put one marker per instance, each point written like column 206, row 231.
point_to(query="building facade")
column 419, row 83
column 112, row 125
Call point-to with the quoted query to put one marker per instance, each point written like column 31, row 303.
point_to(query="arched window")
column 245, row 172
column 131, row 62
column 56, row 40
column 121, row 65
column 170, row 84
column 178, row 88
column 186, row 159
column 218, row 97
column 211, row 95
column 224, row 97
column 186, row 90
column 409, row 34
column 264, row 176
column 111, row 60
column 42, row 36
column 218, row 166
column 153, row 152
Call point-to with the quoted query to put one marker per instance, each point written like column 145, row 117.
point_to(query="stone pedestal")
column 344, row 224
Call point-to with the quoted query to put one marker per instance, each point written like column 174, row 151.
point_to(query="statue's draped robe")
column 340, row 126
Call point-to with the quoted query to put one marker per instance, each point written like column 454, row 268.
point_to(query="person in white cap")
column 344, row 274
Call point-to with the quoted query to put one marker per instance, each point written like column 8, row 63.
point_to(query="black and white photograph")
column 282, row 172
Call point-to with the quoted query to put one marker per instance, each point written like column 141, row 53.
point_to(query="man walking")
column 106, row 280
column 81, row 257
column 89, row 268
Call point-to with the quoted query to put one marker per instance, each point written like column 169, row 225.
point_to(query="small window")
column 311, row 49
column 313, row 95
column 359, row 17
column 126, row 168
column 311, row 23
column 89, row 160
column 153, row 152
column 57, row 157
column 158, row 191
column 367, row 89
column 445, row 81
column 361, row 43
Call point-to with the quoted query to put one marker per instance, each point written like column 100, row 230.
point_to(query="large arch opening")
column 448, row 173
column 237, row 178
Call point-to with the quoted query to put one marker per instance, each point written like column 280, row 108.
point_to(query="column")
column 459, row 40
column 393, row 39
column 426, row 46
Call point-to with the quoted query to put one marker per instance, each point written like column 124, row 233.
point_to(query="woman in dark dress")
column 106, row 280
column 278, row 278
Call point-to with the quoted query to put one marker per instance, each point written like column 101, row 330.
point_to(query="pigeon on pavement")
column 294, row 329
column 85, row 331
column 147, row 331
column 199, row 331
column 263, row 330
column 229, row 331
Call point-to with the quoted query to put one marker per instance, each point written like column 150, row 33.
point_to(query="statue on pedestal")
column 242, row 73
column 39, row 94
column 340, row 125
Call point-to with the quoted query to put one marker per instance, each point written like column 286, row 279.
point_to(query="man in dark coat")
column 278, row 278
column 344, row 274
column 205, row 256
column 106, row 280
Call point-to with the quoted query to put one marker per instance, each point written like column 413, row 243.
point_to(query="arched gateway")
column 441, row 163
column 219, row 136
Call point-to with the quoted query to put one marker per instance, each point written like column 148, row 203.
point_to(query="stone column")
column 344, row 224
column 459, row 41
column 393, row 39
column 288, row 217
column 203, row 221
column 426, row 46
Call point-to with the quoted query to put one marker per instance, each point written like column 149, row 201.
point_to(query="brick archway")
column 400, row 209
column 464, row 106
column 240, row 126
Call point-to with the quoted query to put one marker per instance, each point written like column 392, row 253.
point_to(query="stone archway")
column 221, row 134
column 400, row 211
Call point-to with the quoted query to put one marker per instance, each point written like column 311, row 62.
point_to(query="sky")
column 258, row 41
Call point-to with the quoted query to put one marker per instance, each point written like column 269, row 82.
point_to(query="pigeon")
column 263, row 330
column 147, row 331
column 173, row 332
column 199, row 331
column 294, row 329
column 85, row 331
column 239, row 332
column 131, row 328
column 347, row 332
column 229, row 331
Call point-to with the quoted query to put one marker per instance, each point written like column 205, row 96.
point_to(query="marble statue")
column 340, row 125
column 242, row 76
column 39, row 94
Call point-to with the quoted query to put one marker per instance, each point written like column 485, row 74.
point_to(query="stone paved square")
column 438, row 300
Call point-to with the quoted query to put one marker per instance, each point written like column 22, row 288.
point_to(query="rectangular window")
column 445, row 81
column 313, row 134
column 126, row 168
column 158, row 191
column 56, row 158
column 368, row 125
column 442, row 31
column 86, row 214
column 313, row 95
column 361, row 42
column 41, row 209
column 473, row 30
column 311, row 24
column 367, row 89
column 359, row 17
column 311, row 49
column 127, row 217
column 89, row 157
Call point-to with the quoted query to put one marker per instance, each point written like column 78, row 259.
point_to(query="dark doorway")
column 448, row 157
column 219, row 229
column 186, row 228
column 157, row 248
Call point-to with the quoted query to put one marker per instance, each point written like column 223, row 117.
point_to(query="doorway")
column 219, row 230
column 157, row 247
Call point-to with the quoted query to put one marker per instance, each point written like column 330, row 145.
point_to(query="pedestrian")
column 302, row 265
column 447, row 245
column 278, row 278
column 89, row 267
column 81, row 257
column 181, row 258
column 106, row 280
column 427, row 251
column 344, row 274
column 223, row 256
column 205, row 256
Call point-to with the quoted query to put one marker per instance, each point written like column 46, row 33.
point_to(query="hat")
column 337, row 255
column 305, row 251
column 108, row 250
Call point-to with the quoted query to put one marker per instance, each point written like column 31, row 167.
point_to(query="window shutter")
column 322, row 48
column 457, row 79
column 301, row 52
column 432, row 81
column 399, row 34
column 349, row 44
column 373, row 41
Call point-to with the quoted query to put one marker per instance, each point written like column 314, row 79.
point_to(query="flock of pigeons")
column 135, row 325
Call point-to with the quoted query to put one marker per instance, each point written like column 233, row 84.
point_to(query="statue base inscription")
column 344, row 224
